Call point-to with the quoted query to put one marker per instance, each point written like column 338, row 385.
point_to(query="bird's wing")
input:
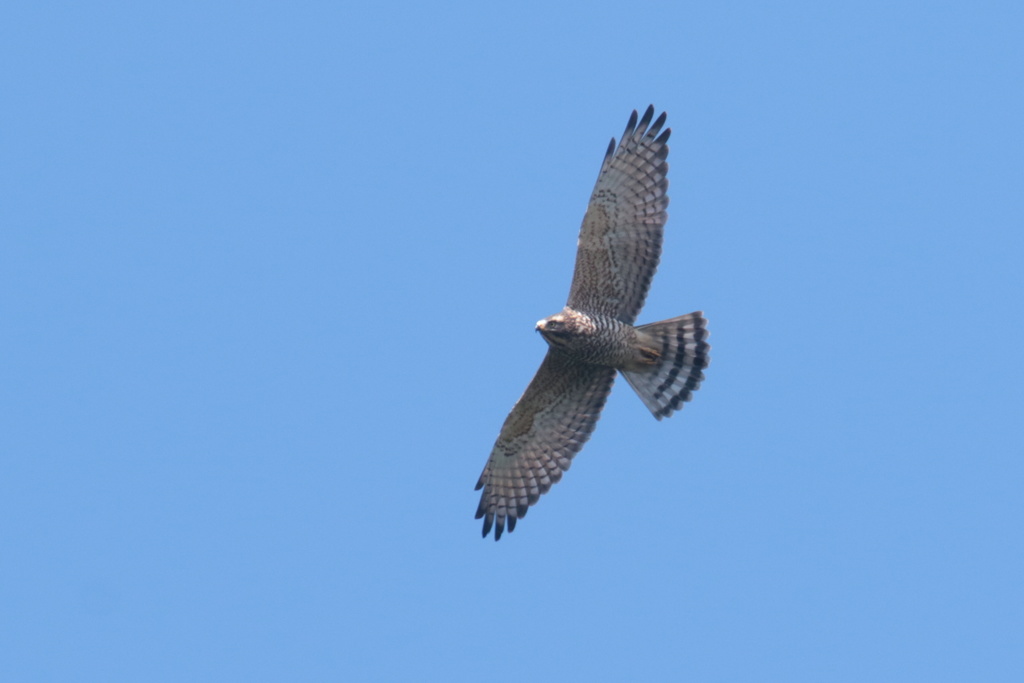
column 545, row 429
column 620, row 240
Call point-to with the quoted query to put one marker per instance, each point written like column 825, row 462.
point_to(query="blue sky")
column 268, row 280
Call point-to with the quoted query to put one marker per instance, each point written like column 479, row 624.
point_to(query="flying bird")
column 593, row 337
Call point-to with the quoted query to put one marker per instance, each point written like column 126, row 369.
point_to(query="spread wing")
column 545, row 429
column 620, row 241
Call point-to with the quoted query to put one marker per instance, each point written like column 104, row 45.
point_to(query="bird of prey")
column 594, row 336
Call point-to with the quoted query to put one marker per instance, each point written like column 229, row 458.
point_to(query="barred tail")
column 672, row 379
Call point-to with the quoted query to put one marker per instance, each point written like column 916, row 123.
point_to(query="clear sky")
column 268, row 280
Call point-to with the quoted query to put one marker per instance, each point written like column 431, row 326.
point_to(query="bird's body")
column 593, row 337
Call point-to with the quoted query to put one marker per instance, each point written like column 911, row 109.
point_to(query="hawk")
column 593, row 337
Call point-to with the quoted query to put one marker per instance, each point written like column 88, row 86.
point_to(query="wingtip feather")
column 646, row 120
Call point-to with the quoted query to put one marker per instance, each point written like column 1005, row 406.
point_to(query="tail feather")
column 671, row 381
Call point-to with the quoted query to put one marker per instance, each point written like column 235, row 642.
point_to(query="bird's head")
column 557, row 329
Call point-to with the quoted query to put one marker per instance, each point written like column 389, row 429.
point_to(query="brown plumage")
column 593, row 336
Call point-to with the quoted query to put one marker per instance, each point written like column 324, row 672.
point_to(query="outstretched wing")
column 545, row 429
column 620, row 241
